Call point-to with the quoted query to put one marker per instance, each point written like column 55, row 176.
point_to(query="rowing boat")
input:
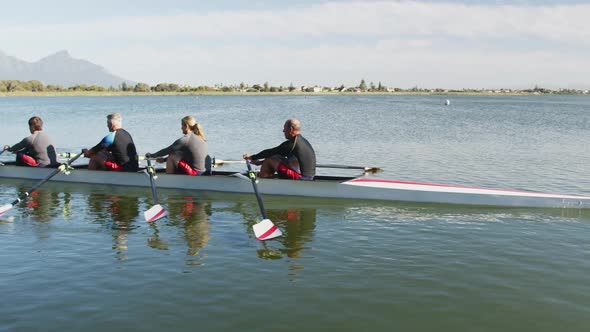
column 369, row 188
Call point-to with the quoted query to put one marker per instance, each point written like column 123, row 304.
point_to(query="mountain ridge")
column 59, row 68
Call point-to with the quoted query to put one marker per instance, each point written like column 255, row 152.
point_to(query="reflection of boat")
column 323, row 186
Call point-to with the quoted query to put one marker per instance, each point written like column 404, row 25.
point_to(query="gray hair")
column 115, row 118
column 293, row 123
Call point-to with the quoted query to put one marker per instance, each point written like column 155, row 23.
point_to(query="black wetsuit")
column 298, row 147
column 121, row 145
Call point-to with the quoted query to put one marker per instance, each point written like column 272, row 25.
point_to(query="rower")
column 188, row 154
column 293, row 159
column 36, row 150
column 116, row 151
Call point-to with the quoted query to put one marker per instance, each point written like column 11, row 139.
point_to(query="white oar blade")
column 5, row 208
column 154, row 213
column 266, row 230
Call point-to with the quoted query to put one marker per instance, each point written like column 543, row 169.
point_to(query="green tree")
column 266, row 86
column 161, row 87
column 14, row 85
column 363, row 86
column 124, row 87
column 96, row 88
column 52, row 87
column 34, row 86
column 291, row 87
column 141, row 87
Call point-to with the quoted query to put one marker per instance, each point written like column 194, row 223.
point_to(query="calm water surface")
column 79, row 257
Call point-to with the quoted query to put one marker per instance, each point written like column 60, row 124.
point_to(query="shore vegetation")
column 37, row 88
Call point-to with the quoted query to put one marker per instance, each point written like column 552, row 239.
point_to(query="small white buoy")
column 447, row 102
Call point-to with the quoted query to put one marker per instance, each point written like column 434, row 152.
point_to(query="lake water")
column 81, row 257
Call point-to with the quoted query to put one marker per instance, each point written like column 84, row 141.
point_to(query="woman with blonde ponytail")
column 194, row 126
column 187, row 155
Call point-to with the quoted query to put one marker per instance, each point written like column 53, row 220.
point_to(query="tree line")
column 8, row 86
column 37, row 86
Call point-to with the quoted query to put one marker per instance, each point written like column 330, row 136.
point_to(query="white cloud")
column 560, row 22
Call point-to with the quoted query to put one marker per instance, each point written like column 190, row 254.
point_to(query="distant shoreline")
column 284, row 93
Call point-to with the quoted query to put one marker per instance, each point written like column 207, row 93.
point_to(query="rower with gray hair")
column 116, row 151
column 293, row 159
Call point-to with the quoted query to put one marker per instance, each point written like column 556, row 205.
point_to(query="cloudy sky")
column 447, row 44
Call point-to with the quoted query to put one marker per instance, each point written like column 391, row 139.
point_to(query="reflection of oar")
column 65, row 168
column 219, row 162
column 264, row 230
column 157, row 211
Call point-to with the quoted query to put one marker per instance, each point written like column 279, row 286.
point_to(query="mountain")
column 58, row 69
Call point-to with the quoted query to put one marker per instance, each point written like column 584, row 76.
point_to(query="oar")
column 157, row 211
column 65, row 168
column 264, row 230
column 1, row 152
column 364, row 168
column 219, row 162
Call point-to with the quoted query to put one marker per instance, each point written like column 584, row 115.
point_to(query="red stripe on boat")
column 267, row 233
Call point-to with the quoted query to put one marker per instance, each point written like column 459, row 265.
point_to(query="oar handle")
column 252, row 176
column 66, row 154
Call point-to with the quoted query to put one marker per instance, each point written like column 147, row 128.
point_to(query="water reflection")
column 192, row 217
column 118, row 212
column 298, row 225
column 41, row 205
column 154, row 240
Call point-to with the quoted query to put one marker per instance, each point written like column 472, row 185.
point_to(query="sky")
column 428, row 44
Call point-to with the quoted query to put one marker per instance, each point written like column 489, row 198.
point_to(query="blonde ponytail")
column 194, row 126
